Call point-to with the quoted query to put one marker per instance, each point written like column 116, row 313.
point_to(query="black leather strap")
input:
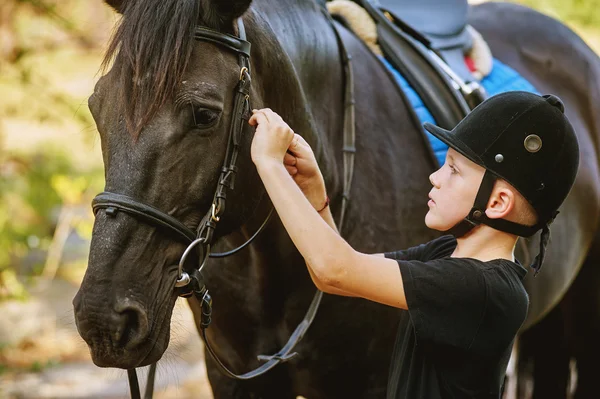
column 282, row 356
column 134, row 386
column 349, row 133
column 478, row 216
column 114, row 203
column 348, row 149
column 233, row 43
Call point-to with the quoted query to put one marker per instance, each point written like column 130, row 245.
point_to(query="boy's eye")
column 452, row 169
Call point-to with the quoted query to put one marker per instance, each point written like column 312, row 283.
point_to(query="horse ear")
column 231, row 9
column 116, row 4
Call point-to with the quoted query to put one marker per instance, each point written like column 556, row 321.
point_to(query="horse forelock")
column 151, row 48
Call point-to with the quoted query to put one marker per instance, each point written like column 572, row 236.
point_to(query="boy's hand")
column 302, row 165
column 272, row 137
column 275, row 141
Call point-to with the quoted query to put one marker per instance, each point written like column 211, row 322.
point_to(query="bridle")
column 191, row 282
column 203, row 236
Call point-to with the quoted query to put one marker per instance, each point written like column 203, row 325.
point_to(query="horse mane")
column 151, row 48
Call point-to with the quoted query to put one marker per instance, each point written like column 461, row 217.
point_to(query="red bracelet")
column 326, row 204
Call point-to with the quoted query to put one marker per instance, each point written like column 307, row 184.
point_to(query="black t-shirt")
column 463, row 314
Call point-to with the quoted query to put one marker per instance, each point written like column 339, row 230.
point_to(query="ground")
column 59, row 365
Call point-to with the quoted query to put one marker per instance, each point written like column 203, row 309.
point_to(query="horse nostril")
column 130, row 325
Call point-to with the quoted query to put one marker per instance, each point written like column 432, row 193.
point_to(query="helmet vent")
column 533, row 143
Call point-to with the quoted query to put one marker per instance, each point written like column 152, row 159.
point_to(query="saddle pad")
column 501, row 79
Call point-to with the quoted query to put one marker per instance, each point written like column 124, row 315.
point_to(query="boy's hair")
column 523, row 212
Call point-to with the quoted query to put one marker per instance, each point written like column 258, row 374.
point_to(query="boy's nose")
column 433, row 180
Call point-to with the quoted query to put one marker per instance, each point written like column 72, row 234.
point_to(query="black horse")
column 163, row 112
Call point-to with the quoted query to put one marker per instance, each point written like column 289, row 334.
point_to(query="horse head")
column 164, row 111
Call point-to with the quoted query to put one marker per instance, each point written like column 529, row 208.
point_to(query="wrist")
column 266, row 163
column 318, row 198
column 325, row 205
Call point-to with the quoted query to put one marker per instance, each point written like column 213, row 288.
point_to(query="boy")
column 511, row 163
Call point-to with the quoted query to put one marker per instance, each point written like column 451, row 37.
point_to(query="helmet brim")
column 449, row 138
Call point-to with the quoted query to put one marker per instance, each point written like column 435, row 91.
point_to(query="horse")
column 163, row 112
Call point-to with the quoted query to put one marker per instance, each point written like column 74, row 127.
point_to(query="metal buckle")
column 243, row 73
column 214, row 212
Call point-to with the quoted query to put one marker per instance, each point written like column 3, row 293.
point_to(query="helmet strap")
column 539, row 259
column 477, row 216
column 477, row 213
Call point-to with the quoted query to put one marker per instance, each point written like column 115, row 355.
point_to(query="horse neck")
column 298, row 71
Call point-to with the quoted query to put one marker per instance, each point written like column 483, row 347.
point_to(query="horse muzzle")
column 118, row 336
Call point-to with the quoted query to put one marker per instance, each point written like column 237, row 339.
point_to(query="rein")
column 191, row 282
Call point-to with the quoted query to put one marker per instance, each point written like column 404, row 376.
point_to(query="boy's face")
column 455, row 186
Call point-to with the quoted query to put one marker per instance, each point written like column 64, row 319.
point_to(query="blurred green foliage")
column 33, row 188
column 582, row 12
column 50, row 53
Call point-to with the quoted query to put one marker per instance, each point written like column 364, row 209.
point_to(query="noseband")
column 190, row 282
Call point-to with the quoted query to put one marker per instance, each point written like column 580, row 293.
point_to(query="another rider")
column 511, row 163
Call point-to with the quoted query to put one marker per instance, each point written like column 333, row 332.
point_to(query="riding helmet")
column 525, row 139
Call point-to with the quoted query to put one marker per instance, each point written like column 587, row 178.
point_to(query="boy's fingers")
column 302, row 141
column 289, row 159
column 292, row 170
column 299, row 147
column 264, row 114
column 294, row 142
column 267, row 112
column 255, row 110
column 258, row 118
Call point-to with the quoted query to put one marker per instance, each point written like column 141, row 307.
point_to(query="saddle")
column 426, row 41
column 443, row 23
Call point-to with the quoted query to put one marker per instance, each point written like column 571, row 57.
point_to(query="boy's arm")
column 333, row 264
column 328, row 218
column 297, row 190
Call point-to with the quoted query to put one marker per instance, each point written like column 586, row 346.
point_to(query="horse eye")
column 204, row 117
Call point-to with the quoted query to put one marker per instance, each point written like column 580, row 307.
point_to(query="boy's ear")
column 501, row 203
column 116, row 4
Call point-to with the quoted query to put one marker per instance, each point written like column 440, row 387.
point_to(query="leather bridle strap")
column 239, row 45
column 349, row 144
column 349, row 150
column 239, row 118
column 134, row 386
column 114, row 203
column 282, row 356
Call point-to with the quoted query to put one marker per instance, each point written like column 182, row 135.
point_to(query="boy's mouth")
column 431, row 201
